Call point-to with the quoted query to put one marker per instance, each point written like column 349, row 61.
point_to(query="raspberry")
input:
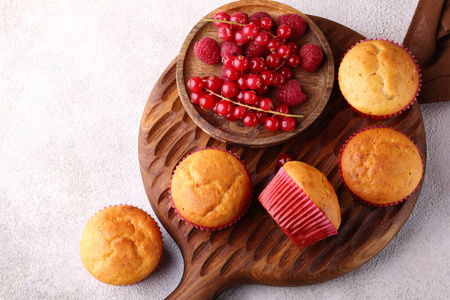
column 296, row 22
column 207, row 50
column 252, row 50
column 291, row 94
column 230, row 48
column 260, row 14
column 311, row 56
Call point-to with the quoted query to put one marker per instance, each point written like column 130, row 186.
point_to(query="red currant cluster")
column 254, row 60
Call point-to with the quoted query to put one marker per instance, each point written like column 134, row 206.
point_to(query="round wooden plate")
column 255, row 249
column 316, row 85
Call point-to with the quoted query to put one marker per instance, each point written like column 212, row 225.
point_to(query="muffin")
column 303, row 203
column 379, row 79
column 121, row 245
column 381, row 166
column 211, row 189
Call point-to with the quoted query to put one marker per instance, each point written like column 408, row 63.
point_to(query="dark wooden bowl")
column 255, row 249
column 316, row 85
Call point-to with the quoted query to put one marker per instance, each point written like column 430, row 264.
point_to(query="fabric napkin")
column 428, row 38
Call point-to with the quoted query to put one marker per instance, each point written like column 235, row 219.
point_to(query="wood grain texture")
column 255, row 250
column 316, row 85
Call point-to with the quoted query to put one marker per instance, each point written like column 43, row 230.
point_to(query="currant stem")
column 223, row 21
column 255, row 108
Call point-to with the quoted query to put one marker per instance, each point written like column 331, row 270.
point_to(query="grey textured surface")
column 75, row 76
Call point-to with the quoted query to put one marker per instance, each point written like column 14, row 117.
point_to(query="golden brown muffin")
column 319, row 190
column 381, row 166
column 378, row 78
column 211, row 188
column 121, row 245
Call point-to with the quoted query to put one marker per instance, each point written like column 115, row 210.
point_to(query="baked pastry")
column 211, row 189
column 378, row 78
column 303, row 203
column 121, row 245
column 381, row 166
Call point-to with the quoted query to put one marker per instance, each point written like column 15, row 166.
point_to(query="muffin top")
column 316, row 185
column 121, row 245
column 378, row 78
column 381, row 166
column 211, row 188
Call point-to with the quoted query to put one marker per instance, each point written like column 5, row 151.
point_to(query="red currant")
column 262, row 116
column 225, row 32
column 240, row 96
column 283, row 158
column 228, row 60
column 273, row 44
column 240, row 63
column 239, row 112
column 265, row 104
column 267, row 77
column 286, row 72
column 250, row 31
column 282, row 108
column 262, row 89
column 241, row 82
column 272, row 124
column 254, row 81
column 212, row 83
column 288, row 124
column 273, row 60
column 231, row 74
column 257, row 65
column 240, row 38
column 250, row 119
column 195, row 84
column 266, row 23
column 284, row 31
column 250, row 97
column 224, row 107
column 238, row 17
column 283, row 51
column 206, row 101
column 294, row 47
column 279, row 80
column 262, row 39
column 229, row 89
column 293, row 60
column 254, row 21
column 195, row 96
column 221, row 15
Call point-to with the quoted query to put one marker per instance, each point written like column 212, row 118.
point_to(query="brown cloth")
column 428, row 39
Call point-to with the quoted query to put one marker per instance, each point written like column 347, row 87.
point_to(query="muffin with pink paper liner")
column 121, row 245
column 380, row 166
column 379, row 78
column 211, row 189
column 303, row 203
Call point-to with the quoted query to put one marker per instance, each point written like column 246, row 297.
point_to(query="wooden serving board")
column 255, row 249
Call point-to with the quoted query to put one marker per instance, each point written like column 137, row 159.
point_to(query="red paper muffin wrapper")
column 157, row 265
column 221, row 226
column 294, row 212
column 373, row 117
column 361, row 200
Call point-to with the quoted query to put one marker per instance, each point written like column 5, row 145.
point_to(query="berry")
column 283, row 51
column 284, row 158
column 278, row 80
column 240, row 96
column 296, row 22
column 291, row 94
column 286, row 72
column 250, row 97
column 225, row 32
column 240, row 63
column 252, row 49
column 250, row 119
column 254, row 21
column 257, row 65
column 206, row 101
column 238, row 17
column 212, row 83
column 207, row 50
column 229, row 89
column 294, row 47
column 239, row 112
column 282, row 108
column 224, row 108
column 288, row 124
column 228, row 60
column 273, row 60
column 262, row 39
column 254, row 81
column 221, row 15
column 273, row 44
column 240, row 38
column 284, row 31
column 267, row 77
column 195, row 84
column 266, row 23
column 293, row 60
column 311, row 57
column 272, row 124
column 260, row 14
column 262, row 89
column 230, row 47
column 250, row 31
column 262, row 116
column 265, row 104
column 195, row 96
column 241, row 82
column 229, row 74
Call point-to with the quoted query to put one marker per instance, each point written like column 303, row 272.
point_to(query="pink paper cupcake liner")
column 294, row 212
column 409, row 104
column 347, row 187
column 205, row 227
column 157, row 265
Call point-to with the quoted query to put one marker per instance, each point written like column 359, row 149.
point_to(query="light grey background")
column 75, row 77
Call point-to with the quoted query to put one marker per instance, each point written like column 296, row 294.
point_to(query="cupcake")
column 211, row 189
column 303, row 203
column 379, row 79
column 380, row 166
column 121, row 245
